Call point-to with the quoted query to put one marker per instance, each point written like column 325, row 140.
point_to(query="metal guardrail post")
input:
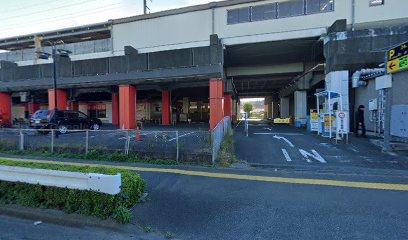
column 178, row 146
column 52, row 140
column 87, row 142
column 21, row 140
column 127, row 143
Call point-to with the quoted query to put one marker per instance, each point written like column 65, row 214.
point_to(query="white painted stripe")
column 284, row 139
column 286, row 154
column 314, row 155
column 287, row 134
column 170, row 140
column 269, row 129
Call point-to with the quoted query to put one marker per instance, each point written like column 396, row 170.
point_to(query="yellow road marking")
column 333, row 183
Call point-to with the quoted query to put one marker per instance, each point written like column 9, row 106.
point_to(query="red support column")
column 127, row 106
column 115, row 109
column 33, row 107
column 5, row 109
column 216, row 106
column 74, row 106
column 228, row 105
column 166, row 108
column 61, row 97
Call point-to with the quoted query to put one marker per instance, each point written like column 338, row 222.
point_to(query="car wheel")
column 95, row 126
column 62, row 129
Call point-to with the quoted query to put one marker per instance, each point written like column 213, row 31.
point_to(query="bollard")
column 87, row 142
column 52, row 140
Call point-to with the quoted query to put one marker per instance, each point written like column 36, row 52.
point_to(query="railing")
column 218, row 134
column 109, row 184
column 182, row 146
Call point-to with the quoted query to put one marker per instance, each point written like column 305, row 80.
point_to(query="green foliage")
column 95, row 155
column 75, row 201
column 226, row 154
column 248, row 107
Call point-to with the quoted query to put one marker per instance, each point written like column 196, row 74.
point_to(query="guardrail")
column 109, row 184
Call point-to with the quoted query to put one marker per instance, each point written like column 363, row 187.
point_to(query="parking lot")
column 190, row 142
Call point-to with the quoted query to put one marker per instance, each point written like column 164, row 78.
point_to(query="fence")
column 217, row 136
column 183, row 146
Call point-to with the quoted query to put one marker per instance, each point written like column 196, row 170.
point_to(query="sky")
column 21, row 17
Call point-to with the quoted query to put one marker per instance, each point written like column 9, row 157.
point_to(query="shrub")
column 75, row 201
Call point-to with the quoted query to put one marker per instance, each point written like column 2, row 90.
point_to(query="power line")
column 28, row 6
column 46, row 10
column 65, row 16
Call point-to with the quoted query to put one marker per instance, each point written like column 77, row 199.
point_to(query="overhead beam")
column 266, row 69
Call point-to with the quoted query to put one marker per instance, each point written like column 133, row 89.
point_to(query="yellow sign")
column 314, row 116
column 397, row 58
column 397, row 64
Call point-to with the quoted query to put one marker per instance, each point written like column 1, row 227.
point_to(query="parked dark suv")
column 63, row 120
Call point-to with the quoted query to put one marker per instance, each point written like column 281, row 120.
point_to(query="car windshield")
column 41, row 114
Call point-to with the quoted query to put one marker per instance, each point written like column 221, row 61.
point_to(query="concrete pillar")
column 115, row 109
column 284, row 107
column 166, row 108
column 127, row 106
column 275, row 109
column 216, row 106
column 228, row 105
column 301, row 106
column 61, row 99
column 5, row 109
column 73, row 106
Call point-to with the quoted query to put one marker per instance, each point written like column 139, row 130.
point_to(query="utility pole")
column 145, row 7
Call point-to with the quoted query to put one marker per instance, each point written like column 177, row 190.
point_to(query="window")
column 290, row 8
column 82, row 115
column 376, row 2
column 319, row 6
column 264, row 12
column 239, row 15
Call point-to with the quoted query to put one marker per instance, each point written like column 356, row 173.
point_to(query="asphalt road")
column 218, row 207
column 285, row 146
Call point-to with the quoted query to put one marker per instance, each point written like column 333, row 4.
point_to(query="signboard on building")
column 376, row 2
column 342, row 119
column 397, row 58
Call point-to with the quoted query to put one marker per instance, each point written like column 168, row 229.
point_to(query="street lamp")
column 55, row 53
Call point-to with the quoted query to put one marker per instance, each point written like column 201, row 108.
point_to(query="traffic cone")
column 138, row 135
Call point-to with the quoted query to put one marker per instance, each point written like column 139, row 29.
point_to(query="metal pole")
column 21, row 140
column 52, row 140
column 178, row 147
column 54, row 54
column 387, row 120
column 87, row 142
column 144, row 7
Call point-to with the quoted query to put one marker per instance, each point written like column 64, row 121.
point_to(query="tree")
column 248, row 107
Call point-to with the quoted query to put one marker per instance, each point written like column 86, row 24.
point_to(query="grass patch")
column 226, row 154
column 75, row 201
column 94, row 155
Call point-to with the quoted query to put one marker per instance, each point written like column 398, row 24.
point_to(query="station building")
column 195, row 63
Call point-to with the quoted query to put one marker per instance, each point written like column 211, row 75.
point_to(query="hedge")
column 86, row 202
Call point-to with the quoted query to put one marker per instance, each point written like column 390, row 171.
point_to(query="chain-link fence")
column 218, row 134
column 182, row 146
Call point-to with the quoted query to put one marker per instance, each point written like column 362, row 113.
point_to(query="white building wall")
column 163, row 33
column 192, row 29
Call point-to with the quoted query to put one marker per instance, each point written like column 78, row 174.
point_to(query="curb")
column 52, row 216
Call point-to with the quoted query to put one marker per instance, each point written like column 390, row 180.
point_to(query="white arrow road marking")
column 170, row 140
column 286, row 154
column 270, row 129
column 314, row 155
column 284, row 139
column 274, row 133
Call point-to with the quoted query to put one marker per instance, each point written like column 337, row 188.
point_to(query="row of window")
column 279, row 10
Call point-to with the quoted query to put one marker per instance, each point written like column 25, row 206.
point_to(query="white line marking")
column 287, row 134
column 286, row 154
column 284, row 139
column 170, row 140
column 314, row 155
column 270, row 129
